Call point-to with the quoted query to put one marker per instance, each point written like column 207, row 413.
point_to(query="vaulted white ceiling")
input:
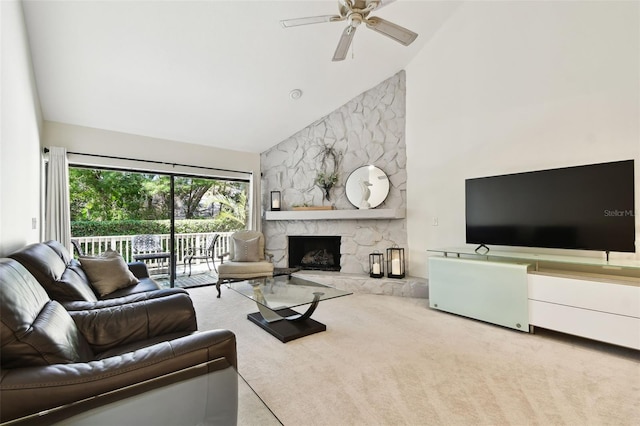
column 215, row 73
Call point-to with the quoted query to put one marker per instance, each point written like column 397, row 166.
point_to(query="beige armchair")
column 246, row 259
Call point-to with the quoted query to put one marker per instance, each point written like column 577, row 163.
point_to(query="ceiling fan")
column 356, row 12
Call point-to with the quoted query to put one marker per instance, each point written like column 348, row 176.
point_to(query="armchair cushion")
column 243, row 270
column 246, row 235
column 246, row 250
column 108, row 272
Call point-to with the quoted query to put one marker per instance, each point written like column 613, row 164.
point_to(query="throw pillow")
column 246, row 250
column 107, row 272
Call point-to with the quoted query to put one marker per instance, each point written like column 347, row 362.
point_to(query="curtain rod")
column 46, row 150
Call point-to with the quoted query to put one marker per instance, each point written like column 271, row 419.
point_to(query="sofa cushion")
column 108, row 272
column 73, row 285
column 62, row 277
column 60, row 250
column 35, row 330
column 42, row 262
column 145, row 285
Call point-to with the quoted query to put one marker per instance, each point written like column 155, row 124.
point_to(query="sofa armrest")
column 139, row 269
column 30, row 390
column 115, row 325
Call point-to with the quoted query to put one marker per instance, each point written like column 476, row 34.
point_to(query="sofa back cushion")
column 54, row 268
column 34, row 329
column 60, row 250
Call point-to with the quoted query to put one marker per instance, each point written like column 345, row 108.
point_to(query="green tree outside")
column 132, row 203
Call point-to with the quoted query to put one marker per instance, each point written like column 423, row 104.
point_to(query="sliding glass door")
column 125, row 211
column 206, row 212
column 167, row 221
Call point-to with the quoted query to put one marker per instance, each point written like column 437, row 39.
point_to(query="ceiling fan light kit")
column 356, row 12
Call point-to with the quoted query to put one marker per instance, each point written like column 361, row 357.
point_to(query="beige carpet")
column 392, row 361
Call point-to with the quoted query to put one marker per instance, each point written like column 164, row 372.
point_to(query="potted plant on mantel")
column 326, row 181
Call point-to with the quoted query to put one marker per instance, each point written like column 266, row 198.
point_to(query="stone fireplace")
column 314, row 252
column 369, row 129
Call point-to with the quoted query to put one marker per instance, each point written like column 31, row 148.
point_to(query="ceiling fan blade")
column 287, row 23
column 344, row 43
column 394, row 31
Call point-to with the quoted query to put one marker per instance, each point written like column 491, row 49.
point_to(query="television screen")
column 584, row 207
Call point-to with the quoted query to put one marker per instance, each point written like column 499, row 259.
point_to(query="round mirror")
column 367, row 187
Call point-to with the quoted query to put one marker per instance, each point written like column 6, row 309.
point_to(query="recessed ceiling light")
column 295, row 94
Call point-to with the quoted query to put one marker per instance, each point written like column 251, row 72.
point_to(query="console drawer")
column 608, row 297
column 606, row 327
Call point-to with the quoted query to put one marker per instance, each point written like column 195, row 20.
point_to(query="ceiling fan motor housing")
column 355, row 19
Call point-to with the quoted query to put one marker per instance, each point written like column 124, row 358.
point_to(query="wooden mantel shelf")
column 353, row 214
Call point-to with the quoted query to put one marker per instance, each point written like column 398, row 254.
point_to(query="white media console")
column 582, row 296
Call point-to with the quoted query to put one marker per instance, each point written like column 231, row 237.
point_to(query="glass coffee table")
column 276, row 296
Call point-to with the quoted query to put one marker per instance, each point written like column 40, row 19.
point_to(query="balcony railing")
column 92, row 246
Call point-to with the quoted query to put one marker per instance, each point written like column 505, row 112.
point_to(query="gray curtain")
column 57, row 210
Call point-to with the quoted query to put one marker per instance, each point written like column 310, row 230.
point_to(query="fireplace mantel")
column 352, row 214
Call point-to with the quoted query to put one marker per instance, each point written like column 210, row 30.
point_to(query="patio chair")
column 77, row 247
column 205, row 251
column 246, row 259
column 148, row 248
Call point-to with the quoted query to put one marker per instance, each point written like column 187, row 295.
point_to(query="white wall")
column 104, row 142
column 516, row 86
column 19, row 137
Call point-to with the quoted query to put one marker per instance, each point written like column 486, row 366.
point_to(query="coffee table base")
column 284, row 330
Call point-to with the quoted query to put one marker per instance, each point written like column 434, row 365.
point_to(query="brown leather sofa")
column 65, row 280
column 52, row 356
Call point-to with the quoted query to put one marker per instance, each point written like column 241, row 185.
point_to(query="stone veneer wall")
column 369, row 129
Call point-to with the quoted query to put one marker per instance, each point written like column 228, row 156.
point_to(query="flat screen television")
column 587, row 207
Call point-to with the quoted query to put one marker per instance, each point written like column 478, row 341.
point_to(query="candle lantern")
column 376, row 265
column 275, row 201
column 395, row 262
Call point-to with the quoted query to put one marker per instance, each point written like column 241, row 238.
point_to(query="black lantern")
column 376, row 265
column 395, row 262
column 275, row 201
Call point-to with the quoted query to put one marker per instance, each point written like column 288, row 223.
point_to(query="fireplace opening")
column 314, row 252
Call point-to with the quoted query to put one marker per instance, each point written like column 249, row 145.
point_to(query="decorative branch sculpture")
column 328, row 176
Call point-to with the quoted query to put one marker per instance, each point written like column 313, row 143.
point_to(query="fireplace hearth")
column 320, row 253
